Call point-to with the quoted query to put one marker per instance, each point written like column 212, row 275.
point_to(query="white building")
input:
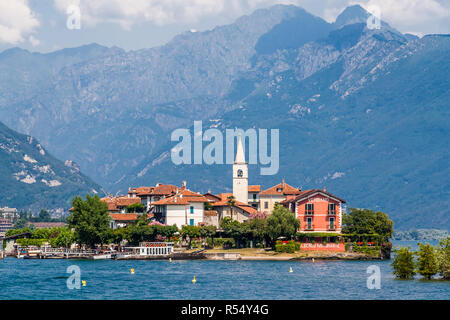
column 240, row 175
column 183, row 208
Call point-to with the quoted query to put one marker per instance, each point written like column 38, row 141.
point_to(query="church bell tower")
column 240, row 175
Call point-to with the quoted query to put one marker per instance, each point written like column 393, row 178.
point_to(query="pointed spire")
column 240, row 155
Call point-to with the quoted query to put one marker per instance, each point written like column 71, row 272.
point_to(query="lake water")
column 47, row 279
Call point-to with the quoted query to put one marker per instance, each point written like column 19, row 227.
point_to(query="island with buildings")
column 280, row 222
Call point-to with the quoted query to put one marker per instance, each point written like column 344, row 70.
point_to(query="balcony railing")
column 332, row 212
column 309, row 212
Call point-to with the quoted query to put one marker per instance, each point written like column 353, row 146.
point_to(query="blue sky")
column 41, row 25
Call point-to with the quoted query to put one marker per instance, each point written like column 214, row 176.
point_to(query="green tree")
column 44, row 216
column 231, row 201
column 403, row 264
column 190, row 232
column 365, row 221
column 443, row 258
column 236, row 230
column 135, row 208
column 208, row 232
column 258, row 229
column 427, row 261
column 208, row 206
column 20, row 223
column 282, row 223
column 90, row 219
column 65, row 238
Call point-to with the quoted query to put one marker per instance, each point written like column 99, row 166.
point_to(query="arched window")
column 240, row 173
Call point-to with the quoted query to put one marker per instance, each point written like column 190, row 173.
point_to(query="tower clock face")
column 240, row 173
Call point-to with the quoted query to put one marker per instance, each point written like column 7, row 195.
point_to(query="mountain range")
column 361, row 111
column 33, row 179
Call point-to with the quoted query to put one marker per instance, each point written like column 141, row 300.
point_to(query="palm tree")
column 231, row 201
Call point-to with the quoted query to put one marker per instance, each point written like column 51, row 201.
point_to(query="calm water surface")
column 46, row 279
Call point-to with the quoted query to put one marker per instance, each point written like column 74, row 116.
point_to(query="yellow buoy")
column 84, row 283
column 132, row 271
column 170, row 259
column 193, row 280
column 312, row 260
column 290, row 269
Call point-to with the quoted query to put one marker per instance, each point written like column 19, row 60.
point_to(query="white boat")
column 105, row 255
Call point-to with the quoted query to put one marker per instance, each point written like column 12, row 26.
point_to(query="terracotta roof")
column 210, row 213
column 255, row 188
column 164, row 189
column 183, row 197
column 141, row 191
column 224, row 203
column 115, row 202
column 40, row 225
column 310, row 192
column 124, row 217
column 211, row 196
column 281, row 189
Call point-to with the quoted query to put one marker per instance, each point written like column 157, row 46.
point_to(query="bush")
column 31, row 242
column 427, row 264
column 403, row 264
column 289, row 247
column 373, row 251
column 224, row 242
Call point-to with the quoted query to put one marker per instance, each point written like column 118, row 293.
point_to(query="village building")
column 119, row 204
column 9, row 214
column 276, row 194
column 121, row 220
column 238, row 211
column 317, row 210
column 149, row 195
column 185, row 207
column 5, row 225
column 240, row 175
column 253, row 196
column 45, row 225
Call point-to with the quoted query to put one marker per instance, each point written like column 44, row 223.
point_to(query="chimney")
column 324, row 189
column 282, row 184
column 184, row 184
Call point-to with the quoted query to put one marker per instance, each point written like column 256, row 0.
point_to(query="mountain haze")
column 363, row 112
column 33, row 179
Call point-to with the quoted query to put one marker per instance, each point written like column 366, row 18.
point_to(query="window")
column 240, row 173
column 192, row 209
column 331, row 223
column 254, row 197
column 309, row 208
column 331, row 208
column 266, row 205
column 309, row 223
column 191, row 222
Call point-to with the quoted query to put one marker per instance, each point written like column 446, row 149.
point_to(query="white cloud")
column 17, row 22
column 34, row 42
column 161, row 12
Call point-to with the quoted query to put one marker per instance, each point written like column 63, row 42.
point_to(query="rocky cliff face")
column 33, row 179
column 359, row 110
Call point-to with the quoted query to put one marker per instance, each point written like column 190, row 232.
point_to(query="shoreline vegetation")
column 365, row 235
column 428, row 261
